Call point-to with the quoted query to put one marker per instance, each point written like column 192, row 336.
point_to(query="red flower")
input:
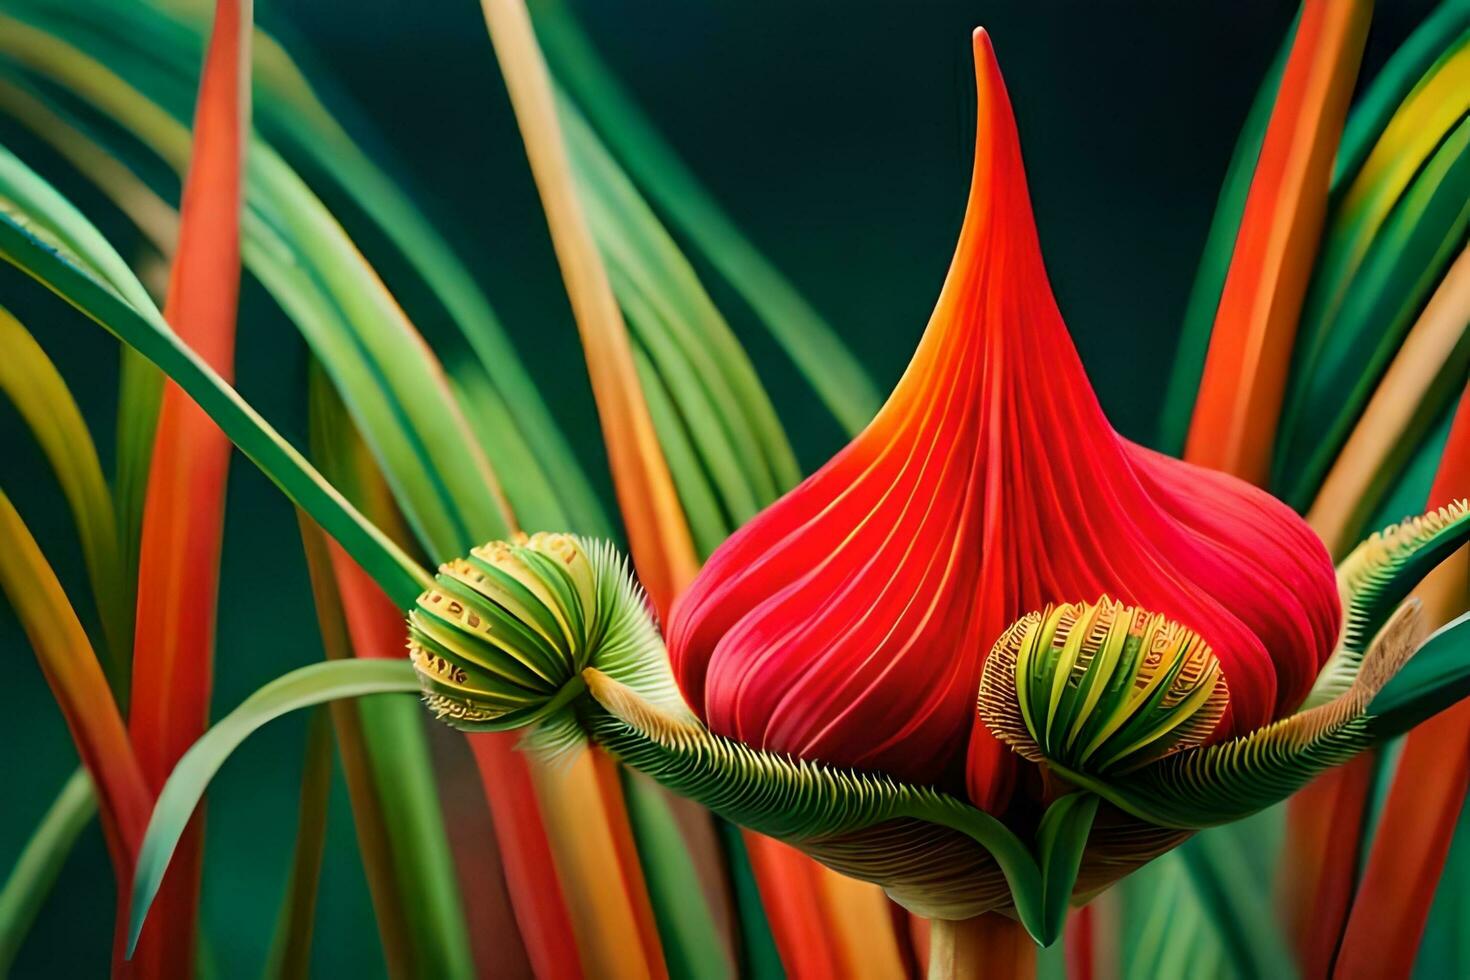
column 849, row 621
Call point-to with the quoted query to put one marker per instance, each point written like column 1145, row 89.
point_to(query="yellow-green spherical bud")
column 502, row 637
column 1100, row 687
column 501, row 640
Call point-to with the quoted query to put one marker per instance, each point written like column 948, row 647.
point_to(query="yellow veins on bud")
column 500, row 639
column 1101, row 687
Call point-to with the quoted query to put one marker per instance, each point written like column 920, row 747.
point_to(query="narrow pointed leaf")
column 816, row 349
column 1416, row 824
column 1234, row 422
column 657, row 533
column 32, row 383
column 144, row 329
column 1209, row 279
column 1381, row 298
column 1062, row 837
column 290, row 954
column 1426, row 374
column 183, row 515
column 78, row 684
column 302, row 688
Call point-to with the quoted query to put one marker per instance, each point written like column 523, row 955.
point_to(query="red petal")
column 849, row 621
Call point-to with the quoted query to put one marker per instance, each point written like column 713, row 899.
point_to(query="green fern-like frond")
column 1215, row 784
column 1374, row 579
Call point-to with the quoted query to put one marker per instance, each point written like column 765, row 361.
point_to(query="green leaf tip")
column 304, row 687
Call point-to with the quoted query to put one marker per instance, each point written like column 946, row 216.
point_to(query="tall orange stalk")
column 178, row 573
column 1235, row 416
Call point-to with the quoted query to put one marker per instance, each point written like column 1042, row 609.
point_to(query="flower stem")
column 990, row 946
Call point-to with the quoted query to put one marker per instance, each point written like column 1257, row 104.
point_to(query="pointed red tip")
column 995, row 128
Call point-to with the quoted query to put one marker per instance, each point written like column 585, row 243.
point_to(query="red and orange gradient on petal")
column 849, row 621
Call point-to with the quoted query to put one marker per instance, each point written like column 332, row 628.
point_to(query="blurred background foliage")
column 839, row 138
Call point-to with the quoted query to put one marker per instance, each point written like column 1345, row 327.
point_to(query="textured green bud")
column 501, row 640
column 1101, row 687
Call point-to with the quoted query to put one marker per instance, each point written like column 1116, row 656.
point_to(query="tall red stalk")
column 178, row 569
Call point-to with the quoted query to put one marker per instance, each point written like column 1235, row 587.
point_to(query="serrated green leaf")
column 1437, row 677
column 1375, row 578
column 810, row 805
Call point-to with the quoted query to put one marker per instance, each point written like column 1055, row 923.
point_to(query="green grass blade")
column 290, row 954
column 291, row 112
column 40, row 861
column 708, row 522
column 403, row 772
column 300, row 251
column 692, row 943
column 1392, row 83
column 1250, row 934
column 1380, row 298
column 301, row 688
column 1437, row 676
column 41, row 396
column 374, row 835
column 813, row 346
column 1209, row 281
column 23, row 193
column 646, row 263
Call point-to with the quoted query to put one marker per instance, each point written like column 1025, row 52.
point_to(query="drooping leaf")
column 803, row 802
column 301, row 688
column 143, row 329
column 40, row 395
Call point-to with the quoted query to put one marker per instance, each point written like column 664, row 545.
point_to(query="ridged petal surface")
column 849, row 621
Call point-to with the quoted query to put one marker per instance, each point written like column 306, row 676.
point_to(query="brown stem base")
column 991, row 947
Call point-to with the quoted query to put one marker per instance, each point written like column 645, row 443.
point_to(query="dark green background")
column 839, row 135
